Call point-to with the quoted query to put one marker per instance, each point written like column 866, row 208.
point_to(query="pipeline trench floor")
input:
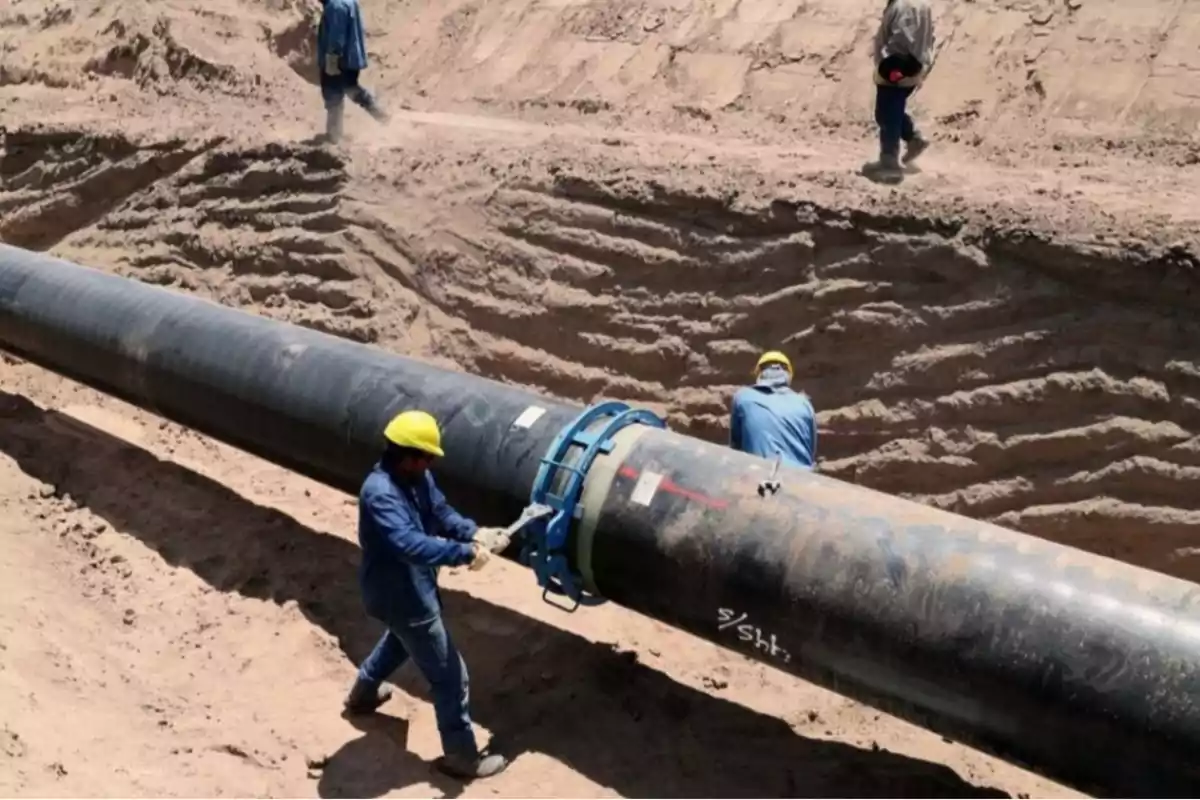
column 179, row 619
column 592, row 198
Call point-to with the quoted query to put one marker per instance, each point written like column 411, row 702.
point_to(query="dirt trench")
column 617, row 199
column 218, row 629
column 988, row 369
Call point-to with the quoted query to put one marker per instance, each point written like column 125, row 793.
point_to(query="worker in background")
column 903, row 56
column 341, row 56
column 769, row 419
column 407, row 531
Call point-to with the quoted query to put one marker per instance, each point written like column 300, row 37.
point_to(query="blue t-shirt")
column 769, row 419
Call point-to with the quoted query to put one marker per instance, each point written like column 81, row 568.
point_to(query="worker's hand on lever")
column 494, row 539
column 480, row 558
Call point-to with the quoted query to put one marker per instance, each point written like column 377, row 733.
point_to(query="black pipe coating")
column 1082, row 668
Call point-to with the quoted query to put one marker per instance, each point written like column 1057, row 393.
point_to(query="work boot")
column 379, row 113
column 366, row 100
column 333, row 124
column 919, row 144
column 366, row 697
column 887, row 169
column 469, row 768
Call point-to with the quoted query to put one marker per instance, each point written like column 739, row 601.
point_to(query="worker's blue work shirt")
column 769, row 419
column 406, row 534
column 341, row 32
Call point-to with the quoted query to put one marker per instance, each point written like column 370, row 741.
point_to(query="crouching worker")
column 407, row 531
column 342, row 56
column 769, row 419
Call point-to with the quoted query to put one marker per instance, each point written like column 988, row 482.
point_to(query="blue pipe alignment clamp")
column 545, row 541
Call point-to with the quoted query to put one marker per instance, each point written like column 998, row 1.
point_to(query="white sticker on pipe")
column 645, row 489
column 528, row 417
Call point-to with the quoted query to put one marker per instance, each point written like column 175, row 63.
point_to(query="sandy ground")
column 595, row 199
column 202, row 603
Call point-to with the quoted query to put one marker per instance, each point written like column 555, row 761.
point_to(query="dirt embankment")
column 593, row 199
column 979, row 365
column 1013, row 78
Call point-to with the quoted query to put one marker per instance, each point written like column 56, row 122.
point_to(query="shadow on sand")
column 620, row 723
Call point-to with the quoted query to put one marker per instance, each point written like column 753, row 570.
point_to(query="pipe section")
column 1079, row 667
column 308, row 401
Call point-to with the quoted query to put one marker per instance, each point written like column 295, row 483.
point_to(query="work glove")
column 494, row 539
column 331, row 64
column 480, row 558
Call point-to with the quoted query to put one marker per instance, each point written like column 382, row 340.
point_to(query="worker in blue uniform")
column 407, row 531
column 770, row 419
column 341, row 58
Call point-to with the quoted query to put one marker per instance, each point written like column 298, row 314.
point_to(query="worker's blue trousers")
column 429, row 646
column 891, row 114
column 334, row 90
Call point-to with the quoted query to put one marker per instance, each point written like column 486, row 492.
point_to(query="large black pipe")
column 1082, row 668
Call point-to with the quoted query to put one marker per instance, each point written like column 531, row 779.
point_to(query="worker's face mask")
column 415, row 466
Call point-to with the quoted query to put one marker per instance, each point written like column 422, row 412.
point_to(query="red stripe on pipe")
column 668, row 485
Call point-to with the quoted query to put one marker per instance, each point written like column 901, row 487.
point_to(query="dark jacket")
column 904, row 42
column 769, row 419
column 406, row 534
column 341, row 33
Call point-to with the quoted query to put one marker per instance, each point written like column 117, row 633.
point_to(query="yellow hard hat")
column 415, row 429
column 773, row 357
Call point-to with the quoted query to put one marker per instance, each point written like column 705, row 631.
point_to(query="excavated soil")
column 594, row 199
